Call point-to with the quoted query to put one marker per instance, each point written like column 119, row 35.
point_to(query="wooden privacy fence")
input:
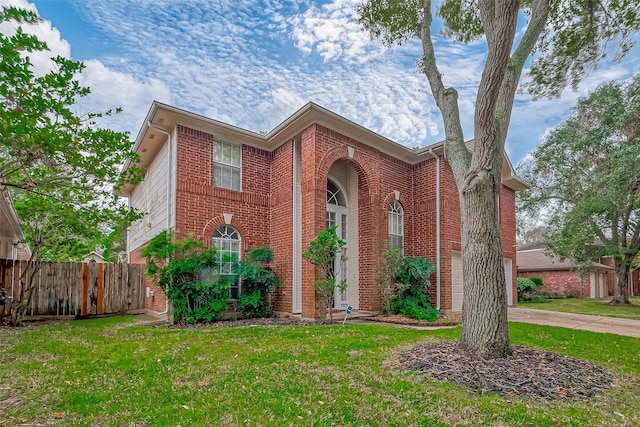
column 76, row 289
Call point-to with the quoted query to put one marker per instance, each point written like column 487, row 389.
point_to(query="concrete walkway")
column 612, row 325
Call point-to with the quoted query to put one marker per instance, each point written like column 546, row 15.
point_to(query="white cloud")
column 333, row 32
column 253, row 66
column 41, row 61
column 109, row 89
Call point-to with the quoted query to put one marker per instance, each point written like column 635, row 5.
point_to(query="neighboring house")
column 561, row 277
column 94, row 257
column 634, row 278
column 235, row 190
column 11, row 234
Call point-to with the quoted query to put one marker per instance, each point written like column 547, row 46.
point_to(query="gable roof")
column 538, row 260
column 162, row 119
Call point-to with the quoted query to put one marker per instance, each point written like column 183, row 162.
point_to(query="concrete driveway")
column 611, row 325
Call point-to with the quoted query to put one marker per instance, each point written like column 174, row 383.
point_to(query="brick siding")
column 262, row 211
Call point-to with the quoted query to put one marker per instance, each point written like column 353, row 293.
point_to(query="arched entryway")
column 337, row 217
column 342, row 212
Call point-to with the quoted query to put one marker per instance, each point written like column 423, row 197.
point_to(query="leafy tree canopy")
column 576, row 34
column 585, row 175
column 60, row 167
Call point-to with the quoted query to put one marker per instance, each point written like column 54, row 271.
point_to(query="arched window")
column 226, row 240
column 396, row 225
column 334, row 194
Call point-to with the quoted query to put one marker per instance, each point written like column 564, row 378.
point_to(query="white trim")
column 438, row 254
column 296, row 256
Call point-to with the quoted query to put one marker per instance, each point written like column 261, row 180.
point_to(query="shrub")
column 536, row 280
column 390, row 287
column 323, row 252
column 258, row 280
column 404, row 284
column 524, row 286
column 415, row 308
column 182, row 269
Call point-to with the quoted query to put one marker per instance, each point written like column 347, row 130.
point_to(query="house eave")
column 166, row 117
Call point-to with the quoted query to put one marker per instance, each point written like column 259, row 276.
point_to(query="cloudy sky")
column 254, row 63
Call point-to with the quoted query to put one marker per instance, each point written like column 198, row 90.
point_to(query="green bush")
column 388, row 284
column 415, row 308
column 182, row 269
column 526, row 288
column 258, row 280
column 536, row 280
column 323, row 252
column 404, row 284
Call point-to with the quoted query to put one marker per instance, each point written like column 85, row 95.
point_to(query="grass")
column 588, row 306
column 116, row 372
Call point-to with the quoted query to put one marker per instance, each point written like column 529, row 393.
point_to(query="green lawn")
column 588, row 306
column 114, row 372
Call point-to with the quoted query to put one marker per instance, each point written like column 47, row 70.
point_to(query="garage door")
column 456, row 280
column 508, row 275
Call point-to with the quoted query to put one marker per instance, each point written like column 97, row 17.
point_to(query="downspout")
column 169, row 152
column 129, row 233
column 437, row 227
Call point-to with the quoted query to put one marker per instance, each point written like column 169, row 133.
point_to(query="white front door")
column 337, row 215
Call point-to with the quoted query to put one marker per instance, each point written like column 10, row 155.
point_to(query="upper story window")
column 396, row 225
column 227, row 165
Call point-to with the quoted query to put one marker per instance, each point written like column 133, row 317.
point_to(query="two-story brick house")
column 237, row 189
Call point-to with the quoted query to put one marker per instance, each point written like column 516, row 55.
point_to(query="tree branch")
column 504, row 106
column 446, row 99
column 499, row 21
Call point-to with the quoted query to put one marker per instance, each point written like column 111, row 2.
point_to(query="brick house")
column 237, row 189
column 561, row 278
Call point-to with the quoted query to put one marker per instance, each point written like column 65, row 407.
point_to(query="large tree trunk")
column 484, row 308
column 477, row 174
column 621, row 290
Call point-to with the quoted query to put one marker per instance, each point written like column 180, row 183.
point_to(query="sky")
column 254, row 63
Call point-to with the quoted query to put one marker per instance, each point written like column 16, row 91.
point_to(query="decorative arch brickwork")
column 216, row 222
column 386, row 203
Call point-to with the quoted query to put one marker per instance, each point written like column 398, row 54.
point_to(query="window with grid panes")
column 226, row 240
column 227, row 165
column 396, row 225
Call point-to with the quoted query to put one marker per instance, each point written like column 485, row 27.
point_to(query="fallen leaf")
column 57, row 415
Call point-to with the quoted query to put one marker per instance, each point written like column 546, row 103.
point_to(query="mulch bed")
column 265, row 321
column 527, row 372
column 445, row 320
column 451, row 319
